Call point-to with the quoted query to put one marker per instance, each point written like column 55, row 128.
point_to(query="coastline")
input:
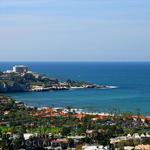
column 131, row 94
column 60, row 125
column 41, row 89
column 20, row 79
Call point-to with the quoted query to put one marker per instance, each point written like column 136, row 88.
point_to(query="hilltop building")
column 20, row 69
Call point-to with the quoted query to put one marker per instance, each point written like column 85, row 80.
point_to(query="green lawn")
column 53, row 130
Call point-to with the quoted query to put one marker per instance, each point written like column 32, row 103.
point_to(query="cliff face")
column 15, row 87
column 13, row 82
column 11, row 87
column 3, row 87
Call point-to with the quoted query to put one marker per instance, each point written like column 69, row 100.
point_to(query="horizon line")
column 112, row 61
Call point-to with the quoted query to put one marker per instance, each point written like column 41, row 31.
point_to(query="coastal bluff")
column 20, row 79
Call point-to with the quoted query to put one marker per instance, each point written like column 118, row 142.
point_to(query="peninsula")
column 20, row 79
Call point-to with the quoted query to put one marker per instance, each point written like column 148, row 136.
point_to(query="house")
column 142, row 147
column 27, row 136
column 94, row 147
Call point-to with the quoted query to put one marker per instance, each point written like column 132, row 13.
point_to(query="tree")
column 66, row 131
column 71, row 143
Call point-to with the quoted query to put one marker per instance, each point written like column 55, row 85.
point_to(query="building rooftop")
column 19, row 66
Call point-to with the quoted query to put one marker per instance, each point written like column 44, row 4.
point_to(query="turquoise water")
column 132, row 79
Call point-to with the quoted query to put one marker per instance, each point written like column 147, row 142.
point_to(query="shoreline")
column 81, row 113
column 100, row 87
column 21, row 79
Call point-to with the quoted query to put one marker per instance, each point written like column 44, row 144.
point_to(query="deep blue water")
column 133, row 80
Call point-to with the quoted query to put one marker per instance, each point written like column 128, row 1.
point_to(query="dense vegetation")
column 17, row 119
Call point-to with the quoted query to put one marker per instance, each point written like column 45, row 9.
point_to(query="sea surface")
column 132, row 79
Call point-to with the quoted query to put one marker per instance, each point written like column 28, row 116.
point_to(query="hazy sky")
column 75, row 30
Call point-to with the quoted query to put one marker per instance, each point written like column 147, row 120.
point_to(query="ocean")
column 131, row 78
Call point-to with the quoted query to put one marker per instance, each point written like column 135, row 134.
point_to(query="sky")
column 74, row 30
